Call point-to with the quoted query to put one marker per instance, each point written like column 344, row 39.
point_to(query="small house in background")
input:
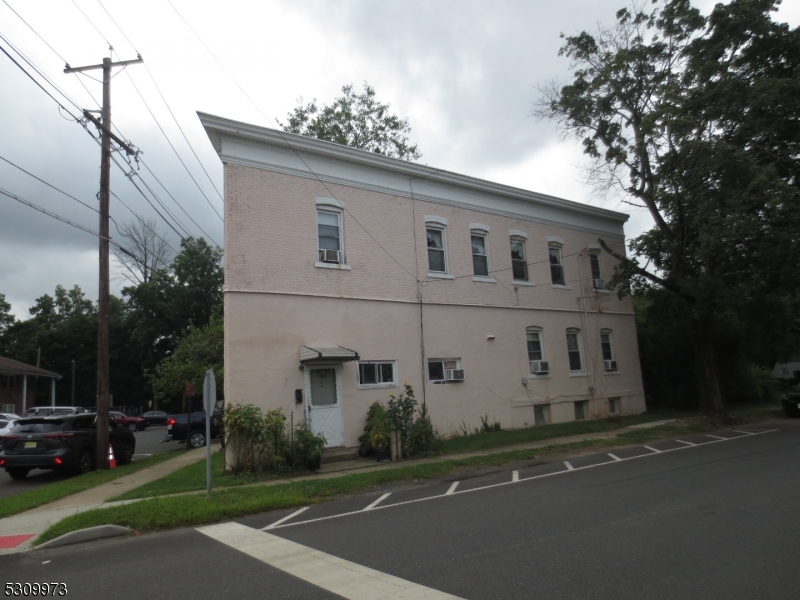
column 16, row 389
column 348, row 273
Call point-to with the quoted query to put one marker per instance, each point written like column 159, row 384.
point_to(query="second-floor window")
column 437, row 257
column 574, row 351
column 329, row 236
column 480, row 254
column 597, row 274
column 556, row 265
column 519, row 266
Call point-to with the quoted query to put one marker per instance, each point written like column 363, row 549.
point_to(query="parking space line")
column 452, row 490
column 336, row 575
column 376, row 502
column 286, row 518
column 614, row 456
column 741, row 431
column 716, row 437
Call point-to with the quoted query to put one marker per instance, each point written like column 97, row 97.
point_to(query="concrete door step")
column 335, row 455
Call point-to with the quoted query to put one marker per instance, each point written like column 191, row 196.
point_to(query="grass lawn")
column 191, row 510
column 72, row 485
column 509, row 437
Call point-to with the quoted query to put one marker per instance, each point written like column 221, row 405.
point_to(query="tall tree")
column 147, row 249
column 698, row 120
column 356, row 120
column 6, row 318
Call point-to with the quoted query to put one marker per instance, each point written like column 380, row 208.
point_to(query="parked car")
column 6, row 425
column 155, row 417
column 60, row 442
column 37, row 411
column 132, row 423
column 791, row 401
column 177, row 429
column 9, row 416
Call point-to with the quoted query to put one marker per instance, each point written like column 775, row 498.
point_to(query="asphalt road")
column 715, row 520
column 147, row 443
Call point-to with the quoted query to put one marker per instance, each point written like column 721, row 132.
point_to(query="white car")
column 9, row 416
column 6, row 425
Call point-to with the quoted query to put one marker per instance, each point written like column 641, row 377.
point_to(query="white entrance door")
column 325, row 404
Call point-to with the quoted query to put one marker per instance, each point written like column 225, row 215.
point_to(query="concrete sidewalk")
column 35, row 521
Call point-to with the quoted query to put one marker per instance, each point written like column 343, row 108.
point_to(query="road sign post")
column 209, row 401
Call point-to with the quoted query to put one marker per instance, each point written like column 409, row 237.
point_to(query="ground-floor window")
column 581, row 409
column 9, row 408
column 377, row 373
column 445, row 369
column 541, row 414
column 613, row 406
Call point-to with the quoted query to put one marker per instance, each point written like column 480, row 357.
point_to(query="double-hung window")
column 519, row 264
column 609, row 363
column 597, row 274
column 375, row 373
column 480, row 253
column 574, row 351
column 437, row 249
column 556, row 265
column 329, row 236
column 536, row 358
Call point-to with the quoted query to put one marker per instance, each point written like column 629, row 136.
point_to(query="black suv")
column 791, row 401
column 60, row 442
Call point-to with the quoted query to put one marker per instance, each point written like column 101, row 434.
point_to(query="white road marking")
column 741, row 431
column 331, row 573
column 716, row 437
column 514, row 476
column 570, row 468
column 614, row 456
column 687, row 443
column 376, row 502
column 286, row 518
column 143, row 455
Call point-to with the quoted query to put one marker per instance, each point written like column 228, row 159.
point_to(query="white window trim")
column 332, row 209
column 371, row 386
column 555, row 240
column 438, row 226
column 610, row 335
column 524, row 240
column 441, row 360
column 558, row 286
column 329, row 202
column 517, row 233
column 581, row 353
column 540, row 331
column 478, row 229
column 434, row 219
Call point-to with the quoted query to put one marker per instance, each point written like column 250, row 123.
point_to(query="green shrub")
column 402, row 414
column 376, row 431
column 308, row 447
column 487, row 427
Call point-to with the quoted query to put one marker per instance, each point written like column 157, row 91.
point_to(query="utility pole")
column 103, row 311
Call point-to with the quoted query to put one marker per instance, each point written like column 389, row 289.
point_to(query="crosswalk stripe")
column 331, row 573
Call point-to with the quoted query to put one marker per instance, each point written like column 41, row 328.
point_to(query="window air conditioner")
column 330, row 256
column 454, row 374
column 599, row 284
column 610, row 365
column 540, row 367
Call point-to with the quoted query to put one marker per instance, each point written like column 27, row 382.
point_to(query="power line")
column 92, row 24
column 34, row 31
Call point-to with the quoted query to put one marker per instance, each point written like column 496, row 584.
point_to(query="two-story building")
column 348, row 273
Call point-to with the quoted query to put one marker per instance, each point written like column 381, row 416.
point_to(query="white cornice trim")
column 282, row 152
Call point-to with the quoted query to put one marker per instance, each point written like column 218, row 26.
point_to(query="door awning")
column 323, row 354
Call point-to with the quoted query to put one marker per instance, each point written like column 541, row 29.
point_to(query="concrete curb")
column 86, row 535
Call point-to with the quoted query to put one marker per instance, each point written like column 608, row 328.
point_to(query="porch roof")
column 316, row 354
column 9, row 366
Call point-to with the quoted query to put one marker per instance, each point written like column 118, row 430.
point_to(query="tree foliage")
column 356, row 120
column 697, row 119
column 147, row 251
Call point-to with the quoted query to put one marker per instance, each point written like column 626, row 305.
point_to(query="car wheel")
column 18, row 473
column 197, row 439
column 127, row 454
column 131, row 426
column 86, row 462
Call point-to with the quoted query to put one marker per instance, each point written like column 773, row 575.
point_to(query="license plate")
column 30, row 444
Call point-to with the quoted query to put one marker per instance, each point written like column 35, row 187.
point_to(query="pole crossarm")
column 111, row 134
column 121, row 63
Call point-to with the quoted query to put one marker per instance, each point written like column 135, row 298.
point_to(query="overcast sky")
column 463, row 73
